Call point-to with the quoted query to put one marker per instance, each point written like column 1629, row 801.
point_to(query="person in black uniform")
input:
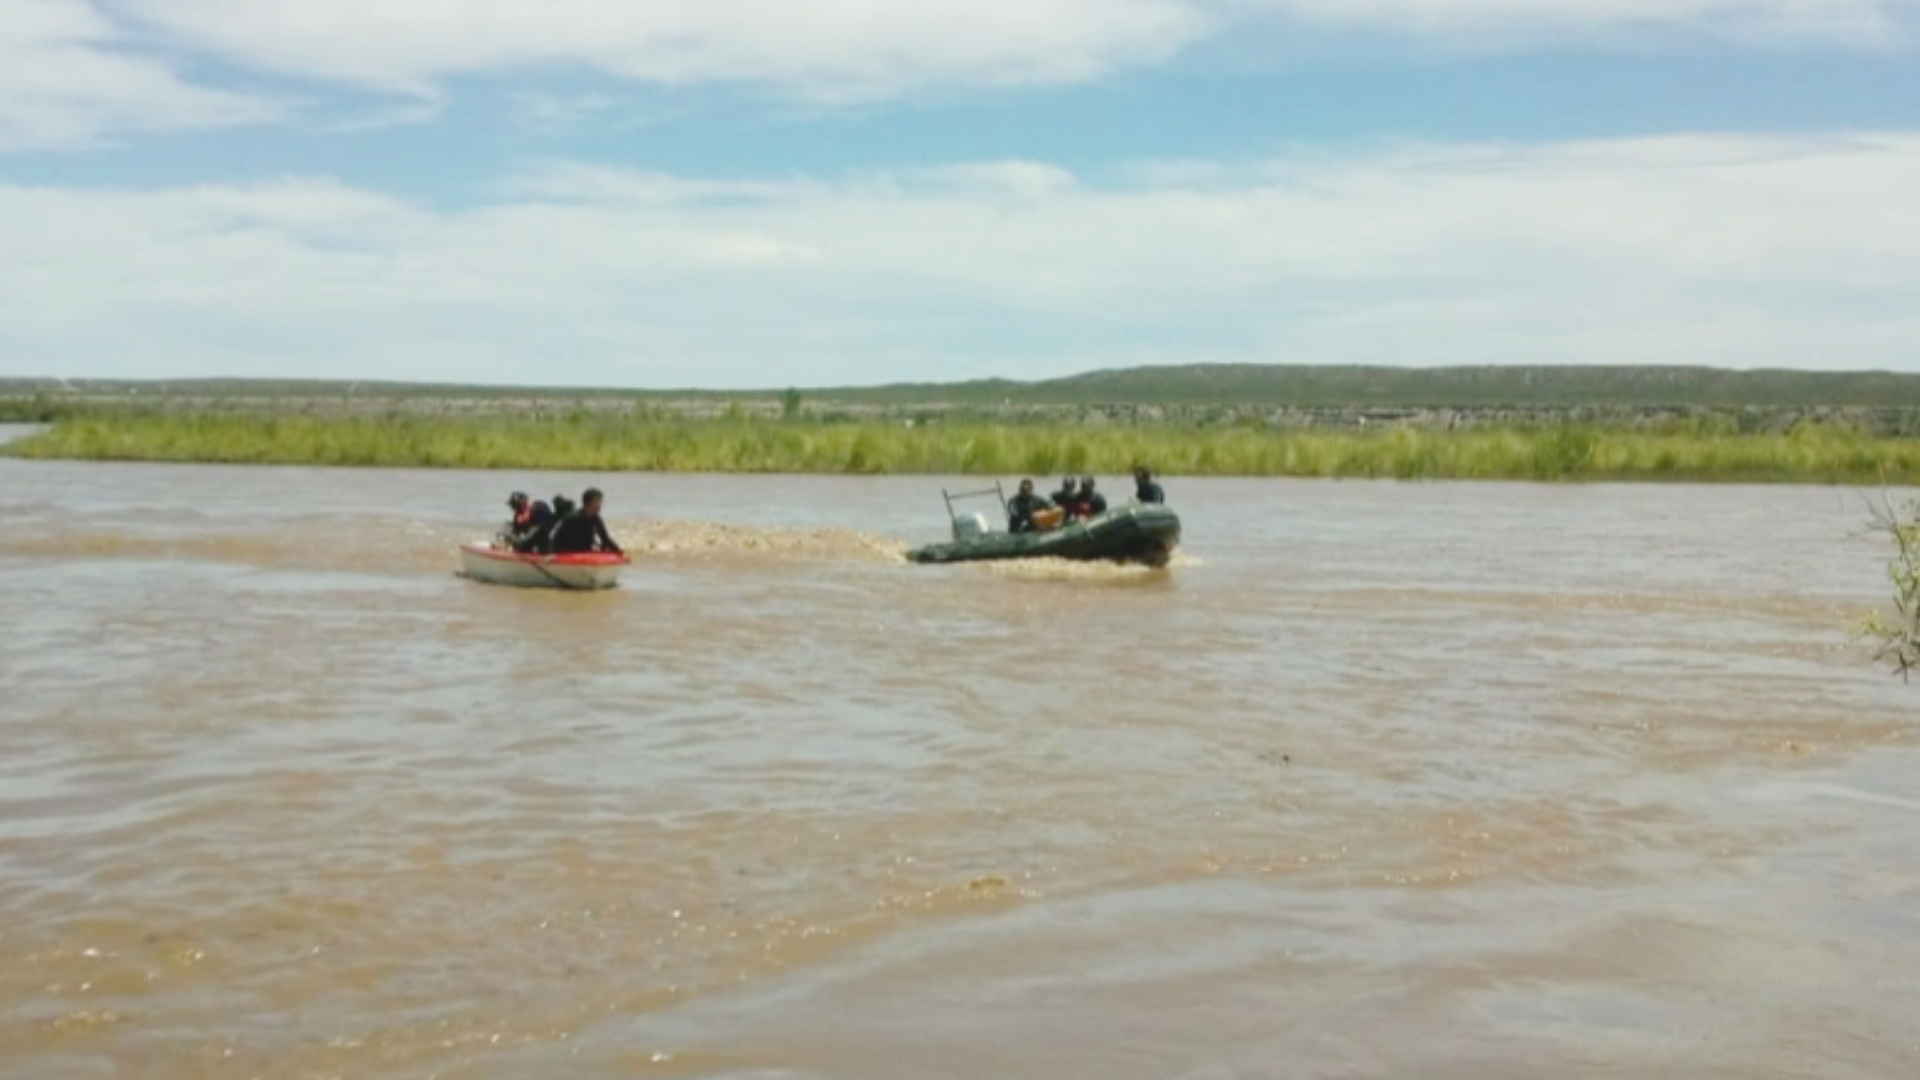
column 1064, row 498
column 530, row 521
column 539, row 539
column 1144, row 488
column 1090, row 502
column 1021, row 508
column 580, row 530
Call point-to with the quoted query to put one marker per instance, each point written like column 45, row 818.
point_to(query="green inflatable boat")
column 1129, row 533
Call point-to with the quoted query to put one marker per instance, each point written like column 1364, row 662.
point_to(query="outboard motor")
column 971, row 527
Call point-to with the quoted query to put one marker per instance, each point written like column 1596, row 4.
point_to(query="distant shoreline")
column 1701, row 449
column 1164, row 387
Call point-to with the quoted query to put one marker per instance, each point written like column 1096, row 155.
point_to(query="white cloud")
column 1695, row 249
column 424, row 109
column 1498, row 22
column 1019, row 179
column 854, row 49
column 70, row 75
column 828, row 48
column 66, row 81
column 553, row 114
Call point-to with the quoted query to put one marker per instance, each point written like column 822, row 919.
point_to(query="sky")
column 758, row 194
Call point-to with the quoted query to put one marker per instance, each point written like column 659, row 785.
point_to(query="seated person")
column 1064, row 498
column 1144, row 489
column 1022, row 508
column 581, row 530
column 540, row 539
column 1090, row 503
column 528, row 518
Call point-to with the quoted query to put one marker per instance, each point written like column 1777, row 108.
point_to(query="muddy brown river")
column 1463, row 781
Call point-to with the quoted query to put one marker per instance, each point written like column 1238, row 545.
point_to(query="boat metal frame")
column 999, row 492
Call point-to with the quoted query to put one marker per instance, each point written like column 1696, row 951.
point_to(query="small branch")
column 1900, row 640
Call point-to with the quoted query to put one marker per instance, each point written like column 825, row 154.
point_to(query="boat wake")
column 707, row 540
column 389, row 545
column 1076, row 570
column 369, row 545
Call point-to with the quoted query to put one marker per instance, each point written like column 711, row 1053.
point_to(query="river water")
column 1378, row 779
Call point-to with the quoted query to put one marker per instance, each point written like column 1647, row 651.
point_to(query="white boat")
column 490, row 562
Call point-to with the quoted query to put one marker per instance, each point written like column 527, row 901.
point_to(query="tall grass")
column 620, row 442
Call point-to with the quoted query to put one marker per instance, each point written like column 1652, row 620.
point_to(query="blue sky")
column 745, row 193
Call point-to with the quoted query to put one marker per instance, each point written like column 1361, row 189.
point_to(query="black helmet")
column 517, row 499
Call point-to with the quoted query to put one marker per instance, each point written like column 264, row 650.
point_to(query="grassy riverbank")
column 1811, row 453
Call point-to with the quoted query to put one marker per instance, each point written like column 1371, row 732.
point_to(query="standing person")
column 1144, row 489
column 580, row 530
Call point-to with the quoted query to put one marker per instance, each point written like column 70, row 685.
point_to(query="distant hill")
column 1189, row 385
column 1262, row 384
